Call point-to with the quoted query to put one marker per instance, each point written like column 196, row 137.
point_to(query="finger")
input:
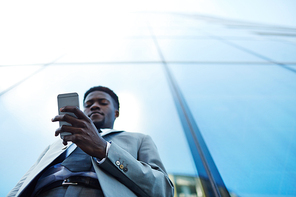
column 67, row 118
column 58, row 118
column 61, row 129
column 73, row 138
column 65, row 142
column 76, row 111
column 69, row 129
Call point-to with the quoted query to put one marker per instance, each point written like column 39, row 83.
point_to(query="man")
column 96, row 160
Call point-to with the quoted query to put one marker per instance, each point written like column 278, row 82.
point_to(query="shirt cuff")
column 102, row 160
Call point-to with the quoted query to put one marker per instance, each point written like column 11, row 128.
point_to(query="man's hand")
column 84, row 133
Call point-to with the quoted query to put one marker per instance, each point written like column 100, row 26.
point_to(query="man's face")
column 99, row 107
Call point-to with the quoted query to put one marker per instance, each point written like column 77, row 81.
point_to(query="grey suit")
column 132, row 167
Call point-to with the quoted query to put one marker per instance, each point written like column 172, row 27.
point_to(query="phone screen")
column 68, row 99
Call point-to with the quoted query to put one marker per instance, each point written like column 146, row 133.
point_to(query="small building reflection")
column 192, row 186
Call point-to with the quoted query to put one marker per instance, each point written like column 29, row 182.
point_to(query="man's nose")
column 95, row 105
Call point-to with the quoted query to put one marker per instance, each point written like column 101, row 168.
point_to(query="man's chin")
column 99, row 124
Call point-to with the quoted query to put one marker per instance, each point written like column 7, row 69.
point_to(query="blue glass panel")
column 178, row 32
column 229, row 30
column 289, row 39
column 163, row 20
column 11, row 75
column 292, row 67
column 246, row 115
column 271, row 49
column 282, row 36
column 203, row 50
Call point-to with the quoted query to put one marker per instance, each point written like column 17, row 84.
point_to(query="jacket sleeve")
column 144, row 175
column 15, row 190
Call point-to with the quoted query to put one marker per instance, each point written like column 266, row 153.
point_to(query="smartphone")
column 68, row 99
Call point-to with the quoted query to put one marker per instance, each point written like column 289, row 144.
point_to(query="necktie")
column 78, row 161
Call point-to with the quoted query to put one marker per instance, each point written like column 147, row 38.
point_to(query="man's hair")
column 103, row 89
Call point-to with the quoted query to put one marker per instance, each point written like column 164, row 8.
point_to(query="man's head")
column 102, row 106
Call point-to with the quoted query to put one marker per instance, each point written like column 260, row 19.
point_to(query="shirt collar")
column 107, row 131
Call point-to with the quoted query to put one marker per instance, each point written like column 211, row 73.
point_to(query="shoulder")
column 129, row 138
column 133, row 134
column 121, row 133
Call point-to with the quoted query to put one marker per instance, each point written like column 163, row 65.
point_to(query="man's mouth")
column 94, row 113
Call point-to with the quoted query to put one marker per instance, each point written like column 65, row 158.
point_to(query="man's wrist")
column 99, row 161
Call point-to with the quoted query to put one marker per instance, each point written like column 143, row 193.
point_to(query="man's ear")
column 116, row 113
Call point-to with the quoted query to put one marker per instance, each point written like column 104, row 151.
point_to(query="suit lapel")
column 56, row 150
column 53, row 152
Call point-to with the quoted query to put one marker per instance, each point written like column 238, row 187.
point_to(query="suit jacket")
column 132, row 167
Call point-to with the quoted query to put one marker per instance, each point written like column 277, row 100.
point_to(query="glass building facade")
column 217, row 96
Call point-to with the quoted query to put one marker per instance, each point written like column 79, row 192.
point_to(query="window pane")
column 11, row 75
column 273, row 50
column 203, row 50
column 246, row 115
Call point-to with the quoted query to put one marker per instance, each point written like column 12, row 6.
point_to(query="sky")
column 48, row 28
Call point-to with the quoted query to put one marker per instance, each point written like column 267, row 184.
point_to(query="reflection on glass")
column 193, row 186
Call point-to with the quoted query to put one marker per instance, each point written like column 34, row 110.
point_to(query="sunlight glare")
column 130, row 109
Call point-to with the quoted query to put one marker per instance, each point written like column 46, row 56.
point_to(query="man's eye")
column 104, row 102
column 87, row 105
